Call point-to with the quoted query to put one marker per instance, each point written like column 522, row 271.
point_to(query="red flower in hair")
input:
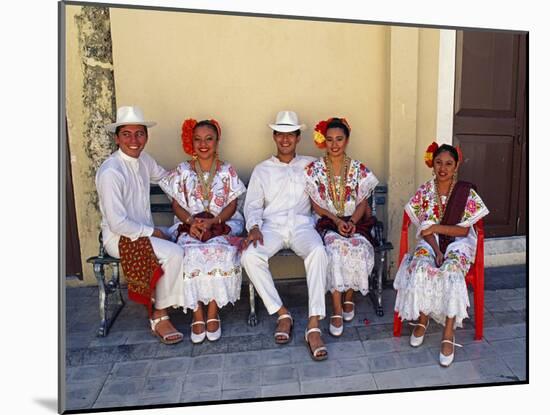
column 429, row 154
column 187, row 135
column 459, row 151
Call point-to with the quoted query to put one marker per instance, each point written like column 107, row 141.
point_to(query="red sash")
column 217, row 229
column 363, row 227
column 141, row 269
column 454, row 210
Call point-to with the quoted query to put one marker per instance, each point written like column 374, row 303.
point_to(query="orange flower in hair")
column 187, row 135
column 320, row 131
column 429, row 154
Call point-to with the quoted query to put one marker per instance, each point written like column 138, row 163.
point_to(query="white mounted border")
column 446, row 86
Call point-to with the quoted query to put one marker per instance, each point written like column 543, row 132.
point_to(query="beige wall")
column 242, row 70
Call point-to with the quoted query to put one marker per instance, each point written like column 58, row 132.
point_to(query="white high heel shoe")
column 349, row 316
column 198, row 338
column 333, row 330
column 214, row 335
column 417, row 341
column 446, row 361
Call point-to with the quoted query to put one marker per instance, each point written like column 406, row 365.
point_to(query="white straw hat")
column 129, row 116
column 286, row 122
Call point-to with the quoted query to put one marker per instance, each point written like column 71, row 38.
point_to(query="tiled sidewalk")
column 130, row 367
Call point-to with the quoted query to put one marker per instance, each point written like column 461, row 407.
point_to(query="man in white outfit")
column 278, row 215
column 122, row 183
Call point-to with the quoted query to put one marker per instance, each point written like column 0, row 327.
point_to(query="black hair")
column 120, row 126
column 297, row 132
column 208, row 123
column 450, row 149
column 337, row 123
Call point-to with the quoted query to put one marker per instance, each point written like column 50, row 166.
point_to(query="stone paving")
column 130, row 367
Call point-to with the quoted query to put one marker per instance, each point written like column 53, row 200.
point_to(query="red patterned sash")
column 141, row 269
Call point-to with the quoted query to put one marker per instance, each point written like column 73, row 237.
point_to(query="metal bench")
column 159, row 204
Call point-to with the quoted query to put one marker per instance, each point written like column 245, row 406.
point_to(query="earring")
column 195, row 157
column 433, row 173
column 455, row 175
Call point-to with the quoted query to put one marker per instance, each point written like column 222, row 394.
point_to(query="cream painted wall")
column 241, row 71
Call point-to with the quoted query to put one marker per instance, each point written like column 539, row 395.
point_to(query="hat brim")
column 286, row 128
column 112, row 127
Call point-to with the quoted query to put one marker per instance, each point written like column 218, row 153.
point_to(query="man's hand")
column 254, row 236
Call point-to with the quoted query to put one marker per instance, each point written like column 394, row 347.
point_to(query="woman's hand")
column 343, row 227
column 195, row 229
column 157, row 233
column 206, row 223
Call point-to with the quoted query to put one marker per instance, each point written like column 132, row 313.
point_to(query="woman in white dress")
column 204, row 192
column 430, row 283
column 339, row 187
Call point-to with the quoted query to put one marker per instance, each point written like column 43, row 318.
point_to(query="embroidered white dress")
column 351, row 260
column 421, row 286
column 211, row 269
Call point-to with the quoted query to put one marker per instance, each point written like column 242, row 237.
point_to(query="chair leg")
column 479, row 295
column 252, row 319
column 100, row 277
column 380, row 284
column 396, row 325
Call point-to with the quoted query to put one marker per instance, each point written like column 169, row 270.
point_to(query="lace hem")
column 439, row 294
column 223, row 290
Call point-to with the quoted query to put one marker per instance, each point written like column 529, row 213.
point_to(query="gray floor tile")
column 427, row 376
column 348, row 349
column 354, row 366
column 416, row 358
column 177, row 366
column 121, row 390
column 478, row 350
column 207, row 363
column 199, row 382
column 200, row 396
column 279, row 374
column 354, row 383
column 395, row 379
column 282, row 389
column 385, row 362
column 281, row 356
column 82, row 395
column 113, row 339
column 167, row 387
column 246, row 378
column 509, row 346
column 493, row 368
column 460, row 373
column 498, row 333
column 234, row 361
column 138, row 369
column 318, row 370
column 90, row 373
column 517, row 363
column 241, row 394
column 374, row 347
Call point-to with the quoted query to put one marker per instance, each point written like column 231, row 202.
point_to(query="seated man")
column 278, row 215
column 151, row 263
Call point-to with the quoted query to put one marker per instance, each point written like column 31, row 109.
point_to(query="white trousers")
column 170, row 285
column 307, row 244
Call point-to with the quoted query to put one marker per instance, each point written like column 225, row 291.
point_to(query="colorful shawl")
column 455, row 210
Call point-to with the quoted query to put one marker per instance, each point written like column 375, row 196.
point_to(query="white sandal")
column 333, row 330
column 214, row 335
column 314, row 353
column 164, row 339
column 198, row 338
column 282, row 333
column 446, row 361
column 349, row 316
column 417, row 341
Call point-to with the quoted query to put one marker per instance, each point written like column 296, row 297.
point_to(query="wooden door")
column 489, row 123
column 72, row 253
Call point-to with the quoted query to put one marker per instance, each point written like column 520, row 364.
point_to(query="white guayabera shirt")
column 276, row 194
column 123, row 186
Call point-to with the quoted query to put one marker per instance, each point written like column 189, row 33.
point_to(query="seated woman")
column 339, row 188
column 204, row 192
column 430, row 283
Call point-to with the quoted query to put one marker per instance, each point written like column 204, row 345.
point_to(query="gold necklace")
column 438, row 197
column 338, row 195
column 205, row 185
